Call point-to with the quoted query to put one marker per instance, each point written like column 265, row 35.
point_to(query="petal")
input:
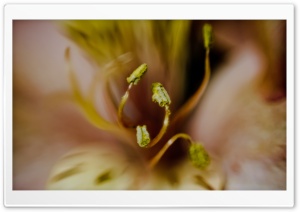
column 97, row 167
column 236, row 124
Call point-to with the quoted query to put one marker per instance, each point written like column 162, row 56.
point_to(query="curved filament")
column 192, row 102
column 163, row 128
column 158, row 156
column 122, row 105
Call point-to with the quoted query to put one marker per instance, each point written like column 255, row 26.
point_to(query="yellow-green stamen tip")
column 207, row 35
column 142, row 135
column 160, row 95
column 137, row 74
column 199, row 156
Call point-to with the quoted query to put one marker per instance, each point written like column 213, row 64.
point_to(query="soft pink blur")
column 43, row 128
column 242, row 118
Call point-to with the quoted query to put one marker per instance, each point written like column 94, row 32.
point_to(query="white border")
column 148, row 11
column 147, row 198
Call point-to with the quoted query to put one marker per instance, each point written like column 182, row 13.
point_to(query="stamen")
column 133, row 79
column 137, row 74
column 192, row 102
column 158, row 156
column 199, row 156
column 207, row 35
column 161, row 97
column 122, row 105
column 142, row 135
column 197, row 153
column 163, row 129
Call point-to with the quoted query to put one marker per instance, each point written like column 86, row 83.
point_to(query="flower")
column 99, row 146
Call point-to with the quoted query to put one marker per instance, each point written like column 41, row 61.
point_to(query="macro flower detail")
column 137, row 74
column 142, row 136
column 150, row 105
column 199, row 156
column 207, row 35
column 160, row 95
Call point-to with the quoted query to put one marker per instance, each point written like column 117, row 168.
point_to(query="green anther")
column 137, row 74
column 207, row 35
column 160, row 95
column 142, row 135
column 199, row 156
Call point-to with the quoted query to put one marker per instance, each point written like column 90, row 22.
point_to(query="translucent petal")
column 97, row 167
